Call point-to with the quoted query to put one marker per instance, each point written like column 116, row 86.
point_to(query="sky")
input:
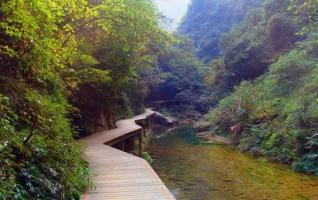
column 174, row 10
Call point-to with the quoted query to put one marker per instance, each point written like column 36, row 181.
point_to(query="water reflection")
column 193, row 171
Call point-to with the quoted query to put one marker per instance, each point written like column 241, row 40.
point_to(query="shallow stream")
column 195, row 171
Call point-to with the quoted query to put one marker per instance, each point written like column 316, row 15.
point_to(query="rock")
column 185, row 122
column 202, row 126
column 237, row 129
column 236, row 132
column 214, row 139
column 255, row 151
column 163, row 120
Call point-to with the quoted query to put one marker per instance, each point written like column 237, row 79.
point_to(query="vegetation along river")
column 193, row 170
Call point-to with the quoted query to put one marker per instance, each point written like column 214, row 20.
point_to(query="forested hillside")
column 66, row 68
column 250, row 47
column 266, row 78
column 180, row 77
column 207, row 20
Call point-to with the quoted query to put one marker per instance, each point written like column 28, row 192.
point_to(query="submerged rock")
column 202, row 126
column 214, row 139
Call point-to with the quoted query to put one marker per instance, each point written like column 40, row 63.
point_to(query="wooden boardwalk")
column 118, row 175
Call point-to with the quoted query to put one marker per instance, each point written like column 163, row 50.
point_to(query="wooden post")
column 140, row 142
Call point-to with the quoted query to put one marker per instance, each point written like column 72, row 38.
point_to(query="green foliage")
column 39, row 159
column 207, row 20
column 309, row 161
column 265, row 73
column 126, row 46
column 265, row 34
column 306, row 13
column 60, row 60
column 279, row 110
column 147, row 157
column 247, row 50
column 182, row 77
column 220, row 81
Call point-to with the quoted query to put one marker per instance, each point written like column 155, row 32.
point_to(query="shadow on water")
column 195, row 171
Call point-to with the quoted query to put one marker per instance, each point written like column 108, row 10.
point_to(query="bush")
column 309, row 161
column 279, row 110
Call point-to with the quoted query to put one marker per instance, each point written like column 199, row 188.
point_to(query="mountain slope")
column 207, row 20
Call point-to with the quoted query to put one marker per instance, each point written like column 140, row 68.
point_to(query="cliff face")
column 207, row 20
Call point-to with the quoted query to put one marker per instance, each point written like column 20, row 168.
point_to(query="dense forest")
column 68, row 68
column 207, row 20
column 181, row 78
column 263, row 81
column 71, row 68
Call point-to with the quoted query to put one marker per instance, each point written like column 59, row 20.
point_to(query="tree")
column 306, row 12
column 182, row 77
column 49, row 51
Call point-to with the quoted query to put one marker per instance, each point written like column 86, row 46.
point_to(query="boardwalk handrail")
column 119, row 175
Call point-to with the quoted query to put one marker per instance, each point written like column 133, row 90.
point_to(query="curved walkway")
column 118, row 175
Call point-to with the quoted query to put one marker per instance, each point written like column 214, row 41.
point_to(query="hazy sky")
column 173, row 9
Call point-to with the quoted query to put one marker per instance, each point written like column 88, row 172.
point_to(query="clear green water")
column 193, row 171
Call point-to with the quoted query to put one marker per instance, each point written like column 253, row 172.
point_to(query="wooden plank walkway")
column 118, row 175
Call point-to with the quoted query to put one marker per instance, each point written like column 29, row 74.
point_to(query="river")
column 196, row 171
